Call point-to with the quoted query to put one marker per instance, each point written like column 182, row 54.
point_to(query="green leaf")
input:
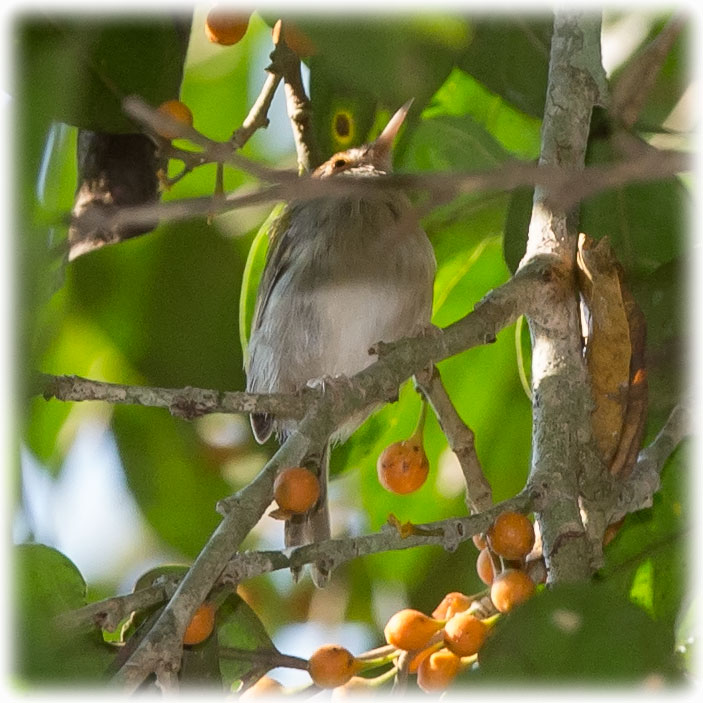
column 577, row 633
column 240, row 628
column 449, row 142
column 647, row 560
column 84, row 68
column 663, row 297
column 511, row 58
column 200, row 665
column 175, row 322
column 46, row 585
column 404, row 57
column 342, row 117
column 645, row 222
column 671, row 81
column 75, row 345
column 253, row 269
column 173, row 482
column 517, row 223
column 462, row 95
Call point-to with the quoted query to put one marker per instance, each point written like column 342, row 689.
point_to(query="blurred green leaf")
column 671, row 81
column 463, row 95
column 510, row 56
column 175, row 320
column 517, row 223
column 78, row 347
column 368, row 62
column 645, row 222
column 577, row 633
column 647, row 560
column 343, row 116
column 662, row 295
column 175, row 486
column 47, row 584
column 239, row 627
column 97, row 63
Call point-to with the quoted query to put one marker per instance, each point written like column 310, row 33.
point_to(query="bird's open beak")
column 383, row 146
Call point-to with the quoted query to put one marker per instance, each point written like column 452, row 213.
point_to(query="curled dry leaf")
column 608, row 347
column 615, row 354
column 635, row 418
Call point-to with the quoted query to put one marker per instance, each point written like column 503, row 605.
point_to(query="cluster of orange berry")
column 501, row 560
column 439, row 646
column 436, row 647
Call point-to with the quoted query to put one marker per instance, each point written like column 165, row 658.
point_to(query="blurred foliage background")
column 120, row 489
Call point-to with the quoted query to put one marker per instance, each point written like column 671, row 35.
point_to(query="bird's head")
column 370, row 158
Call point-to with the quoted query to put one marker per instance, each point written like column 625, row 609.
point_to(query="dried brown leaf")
column 608, row 346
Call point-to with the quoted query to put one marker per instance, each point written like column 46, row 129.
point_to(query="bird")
column 344, row 271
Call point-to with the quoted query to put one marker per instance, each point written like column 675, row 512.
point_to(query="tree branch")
column 448, row 534
column 185, row 402
column 377, row 383
column 560, row 391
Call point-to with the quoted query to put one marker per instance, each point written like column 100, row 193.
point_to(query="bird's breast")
column 354, row 315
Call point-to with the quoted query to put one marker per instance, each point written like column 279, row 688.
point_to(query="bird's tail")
column 313, row 526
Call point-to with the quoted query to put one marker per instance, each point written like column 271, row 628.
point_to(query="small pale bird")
column 342, row 273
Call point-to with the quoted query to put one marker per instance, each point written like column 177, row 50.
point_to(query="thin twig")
column 107, row 614
column 460, row 438
column 224, row 152
column 268, row 657
column 566, row 187
column 258, row 114
column 298, row 106
column 637, row 493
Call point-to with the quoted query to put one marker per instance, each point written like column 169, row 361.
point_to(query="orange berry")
column 178, row 111
column 452, row 603
column 484, row 567
column 331, row 666
column 263, row 688
column 223, row 26
column 357, row 685
column 403, row 466
column 410, row 629
column 422, row 655
column 511, row 588
column 201, row 625
column 294, row 38
column 438, row 670
column 296, row 489
column 511, row 535
column 464, row 634
column 479, row 541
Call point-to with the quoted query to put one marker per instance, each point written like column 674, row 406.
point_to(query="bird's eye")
column 340, row 163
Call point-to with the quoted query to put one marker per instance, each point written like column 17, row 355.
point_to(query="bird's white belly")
column 354, row 316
